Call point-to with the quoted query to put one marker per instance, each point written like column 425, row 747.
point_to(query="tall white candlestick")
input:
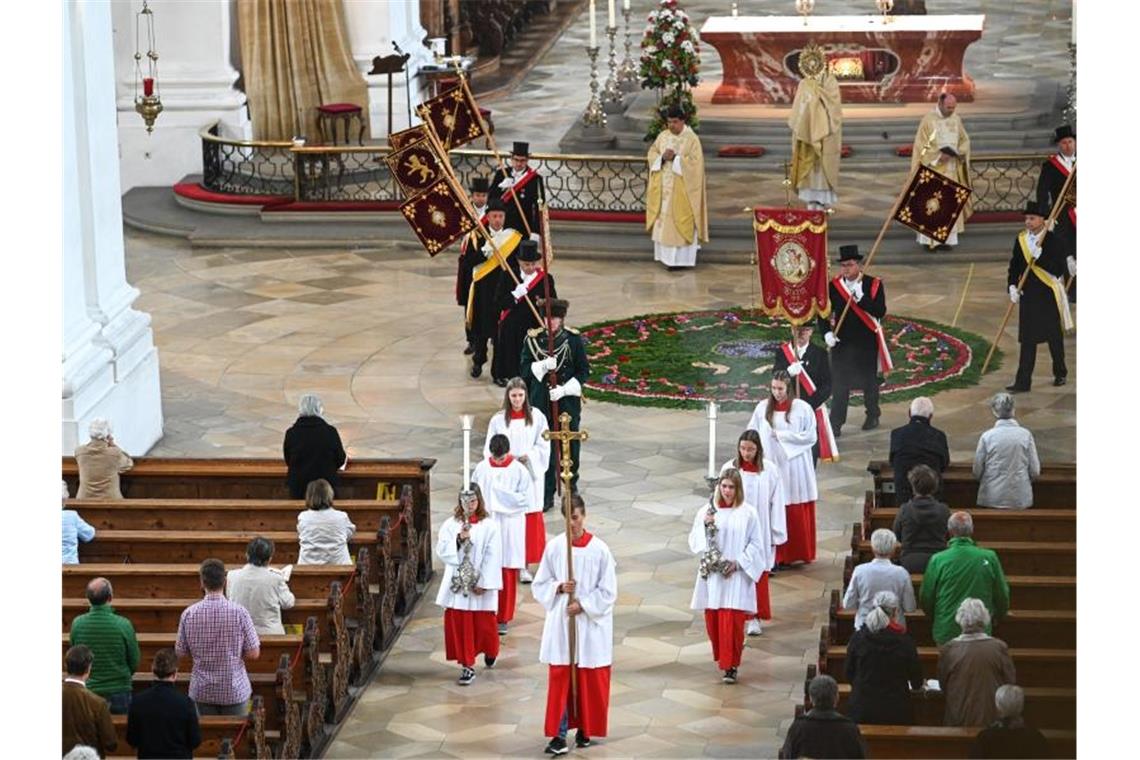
column 712, row 439
column 593, row 27
column 625, row 5
column 466, row 421
column 612, row 19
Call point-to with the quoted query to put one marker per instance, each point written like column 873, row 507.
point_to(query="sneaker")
column 489, row 661
column 466, row 676
column 557, row 746
column 729, row 676
column 752, row 628
column 581, row 740
column 502, row 629
column 525, row 576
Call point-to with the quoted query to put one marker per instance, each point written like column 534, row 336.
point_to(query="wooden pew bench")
column 1056, row 488
column 938, row 742
column 221, row 514
column 1016, row 557
column 161, row 581
column 1031, row 592
column 219, row 733
column 182, row 546
column 994, row 524
column 272, row 647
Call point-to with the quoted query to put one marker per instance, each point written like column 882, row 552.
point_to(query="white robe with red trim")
column 738, row 536
column 765, row 493
column 506, row 493
column 595, row 573
column 526, row 440
column 788, row 443
column 486, row 553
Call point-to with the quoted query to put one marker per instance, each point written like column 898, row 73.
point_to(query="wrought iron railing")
column 1002, row 182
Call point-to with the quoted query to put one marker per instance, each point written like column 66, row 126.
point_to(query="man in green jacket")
column 962, row 570
column 112, row 641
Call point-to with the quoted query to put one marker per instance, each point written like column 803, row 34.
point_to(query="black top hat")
column 496, row 204
column 1031, row 207
column 558, row 307
column 520, row 149
column 528, row 251
column 480, row 185
column 1063, row 131
column 849, row 253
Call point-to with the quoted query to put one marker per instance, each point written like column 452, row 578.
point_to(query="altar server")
column 676, row 211
column 589, row 600
column 810, row 366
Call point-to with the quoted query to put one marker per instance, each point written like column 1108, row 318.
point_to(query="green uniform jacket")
column 112, row 640
column 570, row 351
column 962, row 570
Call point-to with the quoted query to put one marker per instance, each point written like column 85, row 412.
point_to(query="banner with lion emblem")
column 791, row 254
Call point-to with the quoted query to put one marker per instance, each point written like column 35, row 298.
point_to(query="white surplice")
column 506, row 493
column 486, row 557
column 596, row 576
column 738, row 536
column 526, row 440
column 765, row 493
column 787, row 442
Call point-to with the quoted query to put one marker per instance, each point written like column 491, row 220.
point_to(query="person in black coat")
column 527, row 183
column 1009, row 736
column 1043, row 311
column 917, row 442
column 515, row 316
column 486, row 276
column 1051, row 180
column 882, row 666
column 822, row 732
column 162, row 721
column 813, row 360
column 313, row 450
column 855, row 350
column 470, row 256
column 921, row 522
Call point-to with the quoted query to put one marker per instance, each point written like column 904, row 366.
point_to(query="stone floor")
column 241, row 333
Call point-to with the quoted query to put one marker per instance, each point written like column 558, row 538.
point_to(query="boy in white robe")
column 506, row 486
column 728, row 594
column 589, row 599
column 469, row 615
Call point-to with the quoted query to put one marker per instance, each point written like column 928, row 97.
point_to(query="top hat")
column 521, row 149
column 1063, row 131
column 849, row 253
column 558, row 307
column 1031, row 207
column 480, row 185
column 496, row 204
column 528, row 251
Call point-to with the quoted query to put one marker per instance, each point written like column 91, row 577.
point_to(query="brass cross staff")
column 564, row 435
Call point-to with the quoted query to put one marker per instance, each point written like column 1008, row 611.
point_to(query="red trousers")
column 726, row 632
column 535, row 537
column 467, row 633
column 763, row 602
column 800, row 546
column 508, row 594
column 592, row 715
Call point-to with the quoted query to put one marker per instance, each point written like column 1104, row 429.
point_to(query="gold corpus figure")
column 564, row 435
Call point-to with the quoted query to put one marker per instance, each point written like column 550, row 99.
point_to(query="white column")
column 110, row 364
column 196, row 42
column 372, row 27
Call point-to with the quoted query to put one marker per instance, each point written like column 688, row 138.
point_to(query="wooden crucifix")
column 564, row 435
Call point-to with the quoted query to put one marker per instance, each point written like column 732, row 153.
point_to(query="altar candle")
column 613, row 22
column 625, row 5
column 712, row 439
column 148, row 86
column 466, row 422
column 1074, row 33
column 593, row 27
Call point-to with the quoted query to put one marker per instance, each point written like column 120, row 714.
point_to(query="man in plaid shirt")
column 218, row 635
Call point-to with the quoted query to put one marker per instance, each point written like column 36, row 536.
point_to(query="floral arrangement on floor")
column 670, row 62
column 683, row 359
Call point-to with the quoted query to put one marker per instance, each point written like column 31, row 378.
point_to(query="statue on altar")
column 817, row 132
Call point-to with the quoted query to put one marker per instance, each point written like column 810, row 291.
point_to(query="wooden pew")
column 944, row 742
column 1017, row 557
column 160, row 581
column 221, row 514
column 1055, row 489
column 181, row 546
column 991, row 524
column 219, row 734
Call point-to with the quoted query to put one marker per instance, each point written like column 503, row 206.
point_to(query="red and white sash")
column 828, row 449
column 1059, row 165
column 529, row 289
column 527, row 176
column 872, row 324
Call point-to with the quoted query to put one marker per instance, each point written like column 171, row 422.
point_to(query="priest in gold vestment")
column 676, row 211
column 942, row 144
column 817, row 132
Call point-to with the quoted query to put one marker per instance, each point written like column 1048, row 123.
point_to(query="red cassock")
column 592, row 715
column 763, row 600
column 535, row 537
column 467, row 634
column 725, row 628
column 508, row 595
column 800, row 545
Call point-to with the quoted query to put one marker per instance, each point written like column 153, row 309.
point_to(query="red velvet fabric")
column 763, row 600
column 725, row 628
column 800, row 545
column 339, row 108
column 535, row 537
column 196, row 192
column 742, row 151
column 593, row 713
column 845, row 151
column 508, row 595
column 466, row 634
column 905, row 151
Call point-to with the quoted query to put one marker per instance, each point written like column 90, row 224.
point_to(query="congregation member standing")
column 676, row 210
column 972, row 666
column 524, row 425
column 588, row 600
column 882, row 667
column 75, row 529
column 312, row 447
column 726, row 538
column 323, row 531
column 486, row 275
column 515, row 316
column 962, row 570
column 1009, row 735
column 764, row 491
column 262, row 590
column 917, row 442
column 113, row 643
column 869, row 579
column 823, row 732
column 921, row 521
column 163, row 722
column 941, row 144
column 100, row 462
column 470, row 256
column 787, row 429
column 1005, row 460
column 86, row 719
column 809, row 365
column 523, row 181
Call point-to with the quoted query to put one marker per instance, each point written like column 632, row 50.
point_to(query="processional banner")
column 791, row 254
column 438, row 215
column 416, row 166
column 454, row 117
column 932, row 204
column 406, row 137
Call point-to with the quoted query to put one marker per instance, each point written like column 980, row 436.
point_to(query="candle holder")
column 627, row 72
column 611, row 92
column 804, row 8
column 595, row 115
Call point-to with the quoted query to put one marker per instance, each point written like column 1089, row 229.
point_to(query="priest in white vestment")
column 676, row 209
column 942, row 144
column 589, row 600
column 728, row 594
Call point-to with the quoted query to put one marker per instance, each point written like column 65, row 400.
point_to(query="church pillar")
column 197, row 48
column 373, row 25
column 110, row 364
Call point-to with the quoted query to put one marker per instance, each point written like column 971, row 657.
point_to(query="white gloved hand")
column 550, row 364
column 857, row 291
column 535, row 237
column 488, row 251
column 1072, row 264
column 1014, row 296
column 795, row 368
column 557, row 392
column 507, row 183
column 1051, row 224
column 830, row 339
column 519, row 291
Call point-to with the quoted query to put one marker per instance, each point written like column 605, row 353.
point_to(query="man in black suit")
column 163, row 722
column 917, row 442
column 810, row 359
column 522, row 180
column 1054, row 172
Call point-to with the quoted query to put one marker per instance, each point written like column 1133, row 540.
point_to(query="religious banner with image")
column 453, row 116
column 416, row 166
column 406, row 137
column 438, row 215
column 932, row 204
column 791, row 253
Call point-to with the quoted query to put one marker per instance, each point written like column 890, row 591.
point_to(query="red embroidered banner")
column 932, row 204
column 438, row 216
column 791, row 254
column 453, row 116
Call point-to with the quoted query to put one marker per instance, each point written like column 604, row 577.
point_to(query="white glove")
column 1040, row 249
column 1072, row 264
column 857, row 291
column 535, row 237
column 549, row 364
column 830, row 339
column 1014, row 296
column 795, row 368
column 488, row 251
column 519, row 291
column 507, row 183
column 542, row 366
column 557, row 392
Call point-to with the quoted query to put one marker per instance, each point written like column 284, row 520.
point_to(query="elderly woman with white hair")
column 100, row 461
column 972, row 666
column 1006, row 460
column 882, row 666
column 880, row 574
column 313, row 450
column 1009, row 736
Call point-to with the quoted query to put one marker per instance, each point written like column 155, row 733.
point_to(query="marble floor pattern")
column 241, row 333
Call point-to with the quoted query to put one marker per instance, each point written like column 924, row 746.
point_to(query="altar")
column 893, row 59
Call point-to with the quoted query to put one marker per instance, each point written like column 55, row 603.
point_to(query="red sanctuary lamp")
column 149, row 104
